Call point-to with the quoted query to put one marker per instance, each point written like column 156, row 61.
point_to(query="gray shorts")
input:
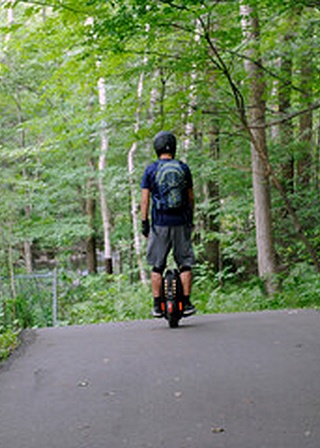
column 163, row 239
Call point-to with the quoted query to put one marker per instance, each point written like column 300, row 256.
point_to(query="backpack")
column 171, row 183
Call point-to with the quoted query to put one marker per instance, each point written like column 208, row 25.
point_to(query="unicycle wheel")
column 173, row 322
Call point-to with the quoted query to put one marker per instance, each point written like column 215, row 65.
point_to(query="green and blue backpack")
column 171, row 183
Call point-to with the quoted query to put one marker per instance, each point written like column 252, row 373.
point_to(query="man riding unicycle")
column 169, row 183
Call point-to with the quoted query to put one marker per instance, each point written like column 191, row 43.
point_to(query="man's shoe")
column 189, row 309
column 156, row 311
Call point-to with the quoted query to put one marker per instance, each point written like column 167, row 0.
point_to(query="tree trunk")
column 212, row 216
column 134, row 204
column 261, row 184
column 135, row 214
column 212, row 220
column 286, row 129
column 306, row 120
column 101, row 169
column 91, row 252
column 192, row 103
column 189, row 125
column 11, row 266
column 317, row 159
column 102, row 164
column 27, row 244
column 28, row 256
column 89, row 209
column 153, row 98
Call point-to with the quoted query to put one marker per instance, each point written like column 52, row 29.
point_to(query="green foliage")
column 50, row 123
column 8, row 342
column 32, row 305
column 212, row 298
column 301, row 288
column 98, row 299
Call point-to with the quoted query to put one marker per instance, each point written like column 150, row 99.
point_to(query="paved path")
column 221, row 381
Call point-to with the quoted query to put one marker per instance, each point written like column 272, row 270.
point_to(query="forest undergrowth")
column 97, row 299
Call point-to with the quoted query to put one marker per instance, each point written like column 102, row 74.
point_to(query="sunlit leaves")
column 50, row 117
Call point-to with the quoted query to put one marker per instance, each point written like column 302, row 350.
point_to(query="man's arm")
column 145, row 201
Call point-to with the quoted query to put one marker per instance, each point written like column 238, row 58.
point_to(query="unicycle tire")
column 173, row 322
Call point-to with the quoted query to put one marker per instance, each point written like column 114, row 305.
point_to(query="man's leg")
column 186, row 280
column 156, row 281
column 184, row 257
column 158, row 248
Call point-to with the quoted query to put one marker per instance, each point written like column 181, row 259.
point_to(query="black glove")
column 145, row 227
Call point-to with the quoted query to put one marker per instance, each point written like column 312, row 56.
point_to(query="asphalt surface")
column 221, row 381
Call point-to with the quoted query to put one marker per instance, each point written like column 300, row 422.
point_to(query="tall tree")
column 102, row 166
column 306, row 119
column 257, row 120
column 213, row 191
column 286, row 126
column 131, row 171
column 90, row 212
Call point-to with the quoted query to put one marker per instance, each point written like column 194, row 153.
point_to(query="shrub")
column 8, row 342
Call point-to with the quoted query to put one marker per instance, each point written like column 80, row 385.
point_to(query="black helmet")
column 165, row 142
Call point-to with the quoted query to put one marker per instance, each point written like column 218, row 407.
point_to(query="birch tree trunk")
column 102, row 165
column 153, row 98
column 192, row 103
column 189, row 126
column 261, row 184
column 134, row 203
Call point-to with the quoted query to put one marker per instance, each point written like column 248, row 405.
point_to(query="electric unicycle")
column 172, row 304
